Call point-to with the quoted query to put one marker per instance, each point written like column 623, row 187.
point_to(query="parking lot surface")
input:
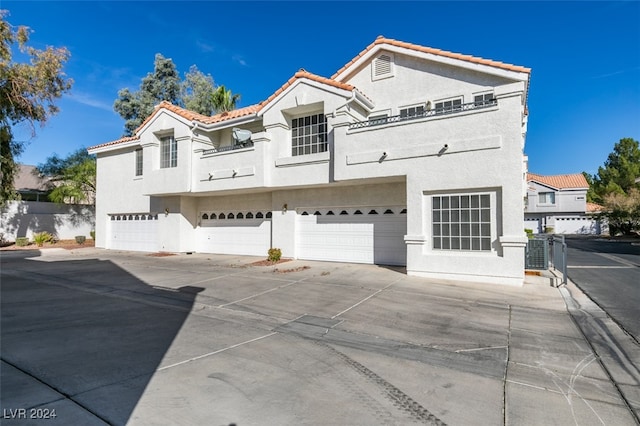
column 105, row 337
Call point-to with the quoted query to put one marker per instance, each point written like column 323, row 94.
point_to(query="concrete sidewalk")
column 126, row 338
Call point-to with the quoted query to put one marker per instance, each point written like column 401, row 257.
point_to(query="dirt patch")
column 65, row 244
column 268, row 262
column 161, row 254
column 286, row 271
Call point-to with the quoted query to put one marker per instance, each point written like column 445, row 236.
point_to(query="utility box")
column 536, row 255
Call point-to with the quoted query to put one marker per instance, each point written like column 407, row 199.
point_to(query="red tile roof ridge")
column 469, row 58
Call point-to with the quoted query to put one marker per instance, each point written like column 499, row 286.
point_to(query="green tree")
column 163, row 84
column 73, row 177
column 223, row 100
column 27, row 94
column 197, row 89
column 623, row 212
column 620, row 171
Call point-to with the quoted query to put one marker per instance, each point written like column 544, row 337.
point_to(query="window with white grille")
column 483, row 99
column 308, row 135
column 462, row 222
column 139, row 162
column 168, row 152
column 412, row 111
column 449, row 105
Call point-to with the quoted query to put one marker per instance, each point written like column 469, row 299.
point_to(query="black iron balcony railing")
column 228, row 148
column 421, row 114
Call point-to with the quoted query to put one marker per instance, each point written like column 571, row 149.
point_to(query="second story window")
column 484, row 99
column 546, row 198
column 139, row 162
column 308, row 135
column 449, row 105
column 168, row 152
column 413, row 111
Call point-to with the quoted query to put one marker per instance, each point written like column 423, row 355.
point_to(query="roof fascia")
column 303, row 80
column 224, row 123
column 546, row 185
column 157, row 114
column 487, row 69
column 115, row 146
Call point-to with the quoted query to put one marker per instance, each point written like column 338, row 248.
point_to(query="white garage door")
column 134, row 231
column 576, row 225
column 247, row 233
column 357, row 235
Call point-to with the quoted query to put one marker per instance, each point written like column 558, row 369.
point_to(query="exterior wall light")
column 285, row 208
column 166, row 211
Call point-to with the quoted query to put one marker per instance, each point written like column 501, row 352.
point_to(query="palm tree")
column 223, row 100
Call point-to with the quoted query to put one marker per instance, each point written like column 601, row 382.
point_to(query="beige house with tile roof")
column 407, row 156
column 558, row 204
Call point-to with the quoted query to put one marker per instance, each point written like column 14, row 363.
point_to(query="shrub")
column 529, row 232
column 93, row 235
column 42, row 237
column 22, row 241
column 80, row 239
column 548, row 230
column 274, row 254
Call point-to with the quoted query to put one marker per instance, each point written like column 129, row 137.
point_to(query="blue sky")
column 584, row 56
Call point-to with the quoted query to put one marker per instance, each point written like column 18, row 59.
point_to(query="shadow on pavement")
column 80, row 345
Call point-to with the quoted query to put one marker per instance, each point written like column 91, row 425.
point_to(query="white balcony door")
column 372, row 235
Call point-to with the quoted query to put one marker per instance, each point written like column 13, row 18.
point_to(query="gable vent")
column 382, row 66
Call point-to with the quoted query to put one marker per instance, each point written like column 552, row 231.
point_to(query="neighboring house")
column 30, row 185
column 558, row 204
column 34, row 213
column 407, row 155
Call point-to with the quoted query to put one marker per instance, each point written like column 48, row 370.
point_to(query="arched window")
column 249, row 215
column 357, row 212
column 259, row 215
column 240, row 216
column 213, row 216
column 330, row 213
column 304, row 214
column 388, row 211
column 268, row 216
column 230, row 216
column 343, row 213
column 317, row 213
column 205, row 216
column 221, row 216
column 404, row 211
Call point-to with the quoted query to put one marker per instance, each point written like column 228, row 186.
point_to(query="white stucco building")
column 558, row 204
column 407, row 155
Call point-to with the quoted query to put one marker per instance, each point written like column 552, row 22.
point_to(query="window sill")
column 137, row 178
column 302, row 160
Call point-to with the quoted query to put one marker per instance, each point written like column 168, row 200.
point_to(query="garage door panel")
column 356, row 238
column 250, row 237
column 135, row 232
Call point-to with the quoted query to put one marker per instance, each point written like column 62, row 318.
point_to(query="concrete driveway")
column 95, row 337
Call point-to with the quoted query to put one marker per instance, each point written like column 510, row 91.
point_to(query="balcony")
column 455, row 109
column 228, row 148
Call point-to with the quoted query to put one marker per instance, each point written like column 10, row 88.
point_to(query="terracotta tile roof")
column 560, row 181
column 306, row 74
column 115, row 142
column 439, row 52
column 594, row 208
column 236, row 113
column 241, row 112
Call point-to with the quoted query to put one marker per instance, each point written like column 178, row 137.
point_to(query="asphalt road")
column 609, row 272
